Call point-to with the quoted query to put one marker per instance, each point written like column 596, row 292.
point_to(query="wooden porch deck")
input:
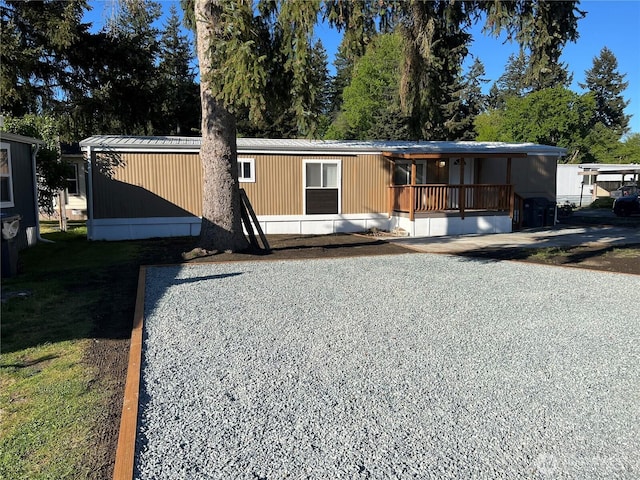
column 419, row 199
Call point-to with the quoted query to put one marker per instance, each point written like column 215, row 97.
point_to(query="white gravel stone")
column 407, row 366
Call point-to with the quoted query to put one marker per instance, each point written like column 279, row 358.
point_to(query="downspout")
column 89, row 194
column 34, row 153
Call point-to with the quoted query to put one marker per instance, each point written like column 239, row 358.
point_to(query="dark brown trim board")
column 126, row 448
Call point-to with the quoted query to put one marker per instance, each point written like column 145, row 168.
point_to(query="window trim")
column 337, row 162
column 11, row 201
column 252, row 163
column 76, row 179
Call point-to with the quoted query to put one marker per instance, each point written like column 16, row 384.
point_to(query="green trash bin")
column 9, row 247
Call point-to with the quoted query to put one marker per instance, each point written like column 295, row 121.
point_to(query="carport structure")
column 632, row 171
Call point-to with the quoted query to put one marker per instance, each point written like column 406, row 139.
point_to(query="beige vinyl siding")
column 278, row 186
column 150, row 185
column 533, row 176
column 170, row 185
column 365, row 181
column 535, row 179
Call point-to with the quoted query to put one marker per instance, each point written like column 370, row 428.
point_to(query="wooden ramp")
column 250, row 221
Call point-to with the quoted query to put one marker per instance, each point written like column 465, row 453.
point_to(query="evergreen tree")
column 280, row 117
column 37, row 40
column 541, row 28
column 513, row 82
column 233, row 77
column 319, row 104
column 475, row 100
column 358, row 20
column 607, row 85
column 435, row 46
column 178, row 92
column 494, row 99
column 553, row 24
column 343, row 64
column 129, row 86
column 221, row 221
column 297, row 21
column 469, row 103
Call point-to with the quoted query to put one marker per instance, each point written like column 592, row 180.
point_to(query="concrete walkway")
column 559, row 236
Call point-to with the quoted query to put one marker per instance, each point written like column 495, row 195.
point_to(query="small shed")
column 143, row 187
column 18, row 186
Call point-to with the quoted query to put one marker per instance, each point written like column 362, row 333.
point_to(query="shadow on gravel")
column 332, row 246
column 183, row 281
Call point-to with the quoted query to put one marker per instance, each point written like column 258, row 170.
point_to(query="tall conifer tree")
column 37, row 41
column 178, row 91
column 607, row 84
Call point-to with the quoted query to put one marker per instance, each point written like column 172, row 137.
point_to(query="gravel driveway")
column 405, row 366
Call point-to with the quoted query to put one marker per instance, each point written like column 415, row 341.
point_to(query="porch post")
column 512, row 199
column 412, row 200
column 391, row 189
column 462, row 196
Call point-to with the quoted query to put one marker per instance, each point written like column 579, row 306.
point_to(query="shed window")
column 6, row 180
column 246, row 170
column 72, row 180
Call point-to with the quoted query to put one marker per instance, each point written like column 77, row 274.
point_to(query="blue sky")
column 611, row 23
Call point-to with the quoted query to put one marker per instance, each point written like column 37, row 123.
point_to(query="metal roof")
column 12, row 137
column 273, row 145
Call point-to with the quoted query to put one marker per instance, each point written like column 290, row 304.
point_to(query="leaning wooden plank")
column 248, row 227
column 247, row 203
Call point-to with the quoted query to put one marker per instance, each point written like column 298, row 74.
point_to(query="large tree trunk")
column 221, row 204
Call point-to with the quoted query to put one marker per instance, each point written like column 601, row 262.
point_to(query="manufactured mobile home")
column 18, row 188
column 143, row 187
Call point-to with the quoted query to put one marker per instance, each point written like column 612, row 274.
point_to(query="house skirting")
column 140, row 228
column 433, row 225
column 444, row 224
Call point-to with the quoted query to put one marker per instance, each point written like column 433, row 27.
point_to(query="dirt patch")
column 619, row 259
column 108, row 355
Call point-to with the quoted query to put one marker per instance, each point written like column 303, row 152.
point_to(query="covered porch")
column 452, row 185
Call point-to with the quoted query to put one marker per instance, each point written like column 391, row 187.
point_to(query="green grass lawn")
column 48, row 396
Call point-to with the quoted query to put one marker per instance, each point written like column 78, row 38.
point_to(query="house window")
column 6, row 181
column 438, row 171
column 72, row 180
column 588, row 179
column 402, row 173
column 246, row 170
column 322, row 180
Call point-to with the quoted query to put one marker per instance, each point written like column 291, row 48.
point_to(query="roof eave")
column 13, row 137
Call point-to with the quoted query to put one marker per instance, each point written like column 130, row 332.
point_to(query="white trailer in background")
column 582, row 184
